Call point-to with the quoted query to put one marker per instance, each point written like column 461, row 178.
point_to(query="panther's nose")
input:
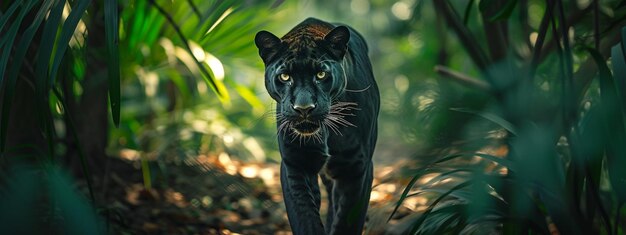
column 304, row 109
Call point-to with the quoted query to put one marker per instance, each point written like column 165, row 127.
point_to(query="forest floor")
column 217, row 194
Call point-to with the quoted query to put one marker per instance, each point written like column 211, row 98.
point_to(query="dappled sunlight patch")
column 129, row 154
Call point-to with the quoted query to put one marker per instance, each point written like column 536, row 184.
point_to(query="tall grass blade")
column 503, row 13
column 624, row 41
column 468, row 11
column 206, row 75
column 618, row 60
column 80, row 217
column 112, row 36
column 4, row 18
column 9, row 88
column 418, row 223
column 5, row 39
column 17, row 202
column 66, row 34
column 614, row 127
column 46, row 44
column 491, row 117
column 71, row 129
column 405, row 193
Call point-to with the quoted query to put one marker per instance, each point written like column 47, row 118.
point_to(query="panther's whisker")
column 340, row 120
column 332, row 126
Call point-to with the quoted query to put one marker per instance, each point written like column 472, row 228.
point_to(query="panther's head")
column 304, row 73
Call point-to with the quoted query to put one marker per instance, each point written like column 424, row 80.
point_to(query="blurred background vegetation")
column 150, row 116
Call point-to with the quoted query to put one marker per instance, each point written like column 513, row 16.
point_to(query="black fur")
column 327, row 126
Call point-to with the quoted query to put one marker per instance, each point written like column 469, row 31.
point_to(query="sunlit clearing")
column 66, row 11
column 224, row 159
column 388, row 188
column 229, row 166
column 78, row 39
column 255, row 149
column 427, row 178
column 250, row 171
column 424, row 101
column 200, row 126
column 129, row 154
column 401, row 10
column 360, row 7
column 376, row 196
column 386, row 171
column 207, row 201
column 415, row 203
column 402, row 83
column 267, row 175
column 583, row 3
column 499, row 151
column 218, row 128
column 228, row 139
column 202, row 87
column 176, row 198
column 415, row 40
column 150, row 81
column 533, row 38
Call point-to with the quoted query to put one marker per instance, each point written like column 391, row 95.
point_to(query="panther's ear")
column 268, row 45
column 338, row 40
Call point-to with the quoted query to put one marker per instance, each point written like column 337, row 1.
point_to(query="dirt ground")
column 218, row 194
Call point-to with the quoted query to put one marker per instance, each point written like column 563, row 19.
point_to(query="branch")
column 465, row 37
column 462, row 79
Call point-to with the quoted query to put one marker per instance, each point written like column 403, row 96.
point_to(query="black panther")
column 327, row 108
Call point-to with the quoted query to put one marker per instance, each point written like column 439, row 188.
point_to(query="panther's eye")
column 320, row 75
column 284, row 77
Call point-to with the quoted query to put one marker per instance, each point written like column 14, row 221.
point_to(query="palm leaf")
column 111, row 30
column 66, row 34
column 8, row 46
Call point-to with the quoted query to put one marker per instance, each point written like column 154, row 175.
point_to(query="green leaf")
column 618, row 60
column 468, row 11
column 624, row 42
column 217, row 87
column 9, row 88
column 46, row 45
column 503, row 14
column 66, row 34
column 112, row 36
column 27, row 37
column 138, row 18
column 18, row 200
column 491, row 117
column 7, row 15
column 418, row 223
column 71, row 129
column 79, row 216
column 614, row 127
column 406, row 191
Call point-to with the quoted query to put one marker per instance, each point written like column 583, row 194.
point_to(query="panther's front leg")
column 298, row 175
column 352, row 185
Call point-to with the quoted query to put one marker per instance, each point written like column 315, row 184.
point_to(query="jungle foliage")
column 512, row 113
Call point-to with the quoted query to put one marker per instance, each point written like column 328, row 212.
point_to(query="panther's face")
column 304, row 74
